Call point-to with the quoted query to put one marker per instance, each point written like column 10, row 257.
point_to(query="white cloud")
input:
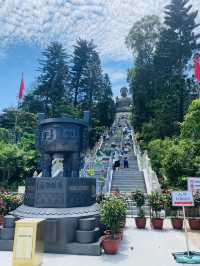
column 106, row 21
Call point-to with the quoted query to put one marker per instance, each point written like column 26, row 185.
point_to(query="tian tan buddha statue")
column 123, row 103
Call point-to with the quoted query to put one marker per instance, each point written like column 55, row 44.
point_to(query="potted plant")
column 157, row 202
column 193, row 220
column 139, row 198
column 2, row 210
column 9, row 202
column 175, row 213
column 112, row 212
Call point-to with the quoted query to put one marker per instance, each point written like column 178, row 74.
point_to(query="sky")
column 28, row 26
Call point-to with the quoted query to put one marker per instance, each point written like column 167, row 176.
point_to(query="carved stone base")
column 61, row 228
column 51, row 213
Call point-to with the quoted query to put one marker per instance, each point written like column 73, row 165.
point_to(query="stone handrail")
column 108, row 181
column 144, row 164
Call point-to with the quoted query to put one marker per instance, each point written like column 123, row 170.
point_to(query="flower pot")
column 1, row 220
column 120, row 234
column 140, row 222
column 110, row 246
column 177, row 223
column 194, row 223
column 157, row 223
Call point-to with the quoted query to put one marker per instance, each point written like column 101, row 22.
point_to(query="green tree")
column 17, row 122
column 80, row 58
column 53, row 82
column 176, row 45
column 190, row 128
column 5, row 135
column 11, row 162
column 142, row 40
column 106, row 105
column 94, row 78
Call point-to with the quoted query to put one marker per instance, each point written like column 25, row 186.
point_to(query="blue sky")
column 24, row 58
column 27, row 27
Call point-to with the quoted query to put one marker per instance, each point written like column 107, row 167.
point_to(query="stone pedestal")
column 66, row 201
column 68, row 230
column 87, row 232
column 7, row 233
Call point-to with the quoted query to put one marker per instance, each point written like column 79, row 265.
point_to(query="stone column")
column 46, row 165
column 75, row 164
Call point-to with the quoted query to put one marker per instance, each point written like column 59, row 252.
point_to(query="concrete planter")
column 157, row 223
column 194, row 223
column 177, row 223
column 140, row 223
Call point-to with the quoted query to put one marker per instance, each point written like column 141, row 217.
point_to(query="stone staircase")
column 132, row 210
column 129, row 179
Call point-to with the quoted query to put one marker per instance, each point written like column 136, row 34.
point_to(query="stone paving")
column 139, row 248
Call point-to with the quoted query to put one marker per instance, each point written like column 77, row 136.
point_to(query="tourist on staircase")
column 125, row 162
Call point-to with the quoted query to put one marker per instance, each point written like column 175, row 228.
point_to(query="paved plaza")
column 139, row 248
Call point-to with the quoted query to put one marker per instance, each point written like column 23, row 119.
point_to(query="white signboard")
column 194, row 184
column 182, row 198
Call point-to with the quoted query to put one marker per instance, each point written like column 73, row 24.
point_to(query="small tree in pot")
column 112, row 212
column 176, row 220
column 157, row 202
column 194, row 222
column 139, row 198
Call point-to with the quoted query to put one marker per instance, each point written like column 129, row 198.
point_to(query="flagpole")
column 17, row 112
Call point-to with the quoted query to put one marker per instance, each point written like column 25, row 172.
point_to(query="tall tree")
column 54, row 78
column 142, row 40
column 93, row 90
column 175, row 48
column 143, row 37
column 106, row 106
column 80, row 58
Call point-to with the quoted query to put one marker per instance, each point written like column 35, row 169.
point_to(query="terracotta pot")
column 1, row 220
column 194, row 223
column 110, row 246
column 157, row 223
column 177, row 223
column 140, row 222
column 120, row 234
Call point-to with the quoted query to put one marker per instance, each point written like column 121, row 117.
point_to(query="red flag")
column 197, row 67
column 21, row 89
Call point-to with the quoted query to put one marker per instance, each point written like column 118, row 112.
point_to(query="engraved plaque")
column 24, row 242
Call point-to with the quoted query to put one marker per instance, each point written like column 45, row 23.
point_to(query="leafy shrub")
column 157, row 202
column 112, row 212
column 9, row 202
column 138, row 197
column 157, row 151
column 178, row 162
column 190, row 128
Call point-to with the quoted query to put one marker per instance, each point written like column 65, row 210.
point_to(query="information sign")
column 193, row 184
column 182, row 198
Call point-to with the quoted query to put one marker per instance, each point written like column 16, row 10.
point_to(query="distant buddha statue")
column 123, row 103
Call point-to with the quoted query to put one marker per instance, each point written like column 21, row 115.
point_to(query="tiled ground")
column 139, row 248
